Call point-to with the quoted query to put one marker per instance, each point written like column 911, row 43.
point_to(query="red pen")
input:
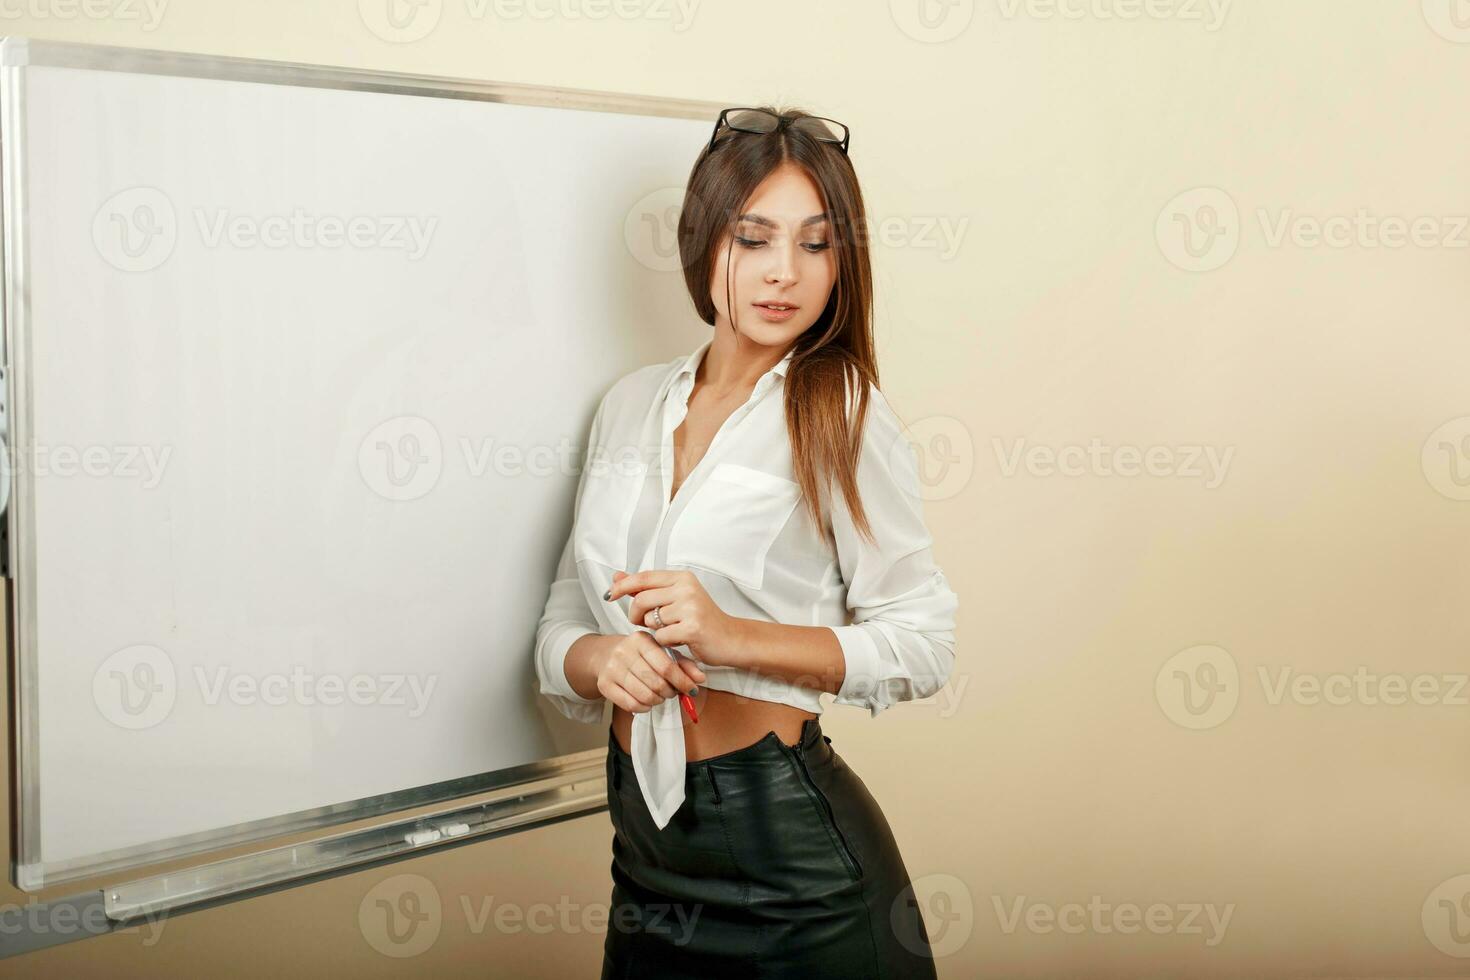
column 684, row 699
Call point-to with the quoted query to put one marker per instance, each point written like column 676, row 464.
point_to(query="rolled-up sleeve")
column 900, row 644
column 566, row 619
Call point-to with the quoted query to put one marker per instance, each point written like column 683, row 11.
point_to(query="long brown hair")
column 835, row 355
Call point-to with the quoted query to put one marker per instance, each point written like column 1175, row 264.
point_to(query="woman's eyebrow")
column 762, row 220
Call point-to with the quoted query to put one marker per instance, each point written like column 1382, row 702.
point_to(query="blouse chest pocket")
column 731, row 522
column 605, row 512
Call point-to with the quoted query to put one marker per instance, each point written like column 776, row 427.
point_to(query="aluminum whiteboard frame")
column 16, row 53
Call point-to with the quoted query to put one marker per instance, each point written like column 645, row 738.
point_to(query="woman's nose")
column 783, row 265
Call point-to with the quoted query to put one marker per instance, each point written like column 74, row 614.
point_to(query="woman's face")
column 783, row 255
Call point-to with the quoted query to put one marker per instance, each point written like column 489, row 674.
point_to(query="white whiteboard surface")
column 292, row 444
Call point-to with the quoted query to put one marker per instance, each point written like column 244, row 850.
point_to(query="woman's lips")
column 776, row 315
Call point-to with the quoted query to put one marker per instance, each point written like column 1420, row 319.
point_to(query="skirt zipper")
column 848, row 856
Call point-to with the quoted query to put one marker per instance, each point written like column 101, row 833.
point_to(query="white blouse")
column 739, row 523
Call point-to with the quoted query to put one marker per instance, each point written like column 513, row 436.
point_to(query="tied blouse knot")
column 738, row 523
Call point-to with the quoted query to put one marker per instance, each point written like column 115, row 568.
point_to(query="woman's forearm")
column 584, row 660
column 808, row 656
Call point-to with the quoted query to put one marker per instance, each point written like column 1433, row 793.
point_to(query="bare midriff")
column 726, row 722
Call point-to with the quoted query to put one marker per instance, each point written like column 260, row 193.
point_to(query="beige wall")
column 1034, row 173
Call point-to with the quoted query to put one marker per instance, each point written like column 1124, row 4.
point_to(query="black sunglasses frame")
column 781, row 123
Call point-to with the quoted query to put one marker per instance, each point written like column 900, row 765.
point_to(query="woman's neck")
column 735, row 363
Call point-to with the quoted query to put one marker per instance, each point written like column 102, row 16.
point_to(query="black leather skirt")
column 778, row 864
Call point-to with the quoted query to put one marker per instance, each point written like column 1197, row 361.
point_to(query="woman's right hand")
column 637, row 675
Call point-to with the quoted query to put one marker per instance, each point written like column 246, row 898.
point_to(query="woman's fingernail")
column 607, row 596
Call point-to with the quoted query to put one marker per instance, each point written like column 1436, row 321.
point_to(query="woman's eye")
column 759, row 242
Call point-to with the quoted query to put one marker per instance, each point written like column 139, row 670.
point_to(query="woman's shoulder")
column 880, row 420
column 632, row 393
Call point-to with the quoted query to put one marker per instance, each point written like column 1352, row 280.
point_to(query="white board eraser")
column 454, row 829
column 422, row 837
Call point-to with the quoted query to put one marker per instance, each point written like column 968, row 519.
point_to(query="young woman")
column 706, row 523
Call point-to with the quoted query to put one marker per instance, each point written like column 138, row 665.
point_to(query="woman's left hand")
column 689, row 615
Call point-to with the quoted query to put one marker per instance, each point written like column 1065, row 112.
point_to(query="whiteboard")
column 301, row 362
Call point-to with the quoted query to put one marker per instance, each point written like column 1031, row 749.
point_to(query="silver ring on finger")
column 657, row 618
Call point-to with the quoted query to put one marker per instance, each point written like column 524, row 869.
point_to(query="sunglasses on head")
column 744, row 120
